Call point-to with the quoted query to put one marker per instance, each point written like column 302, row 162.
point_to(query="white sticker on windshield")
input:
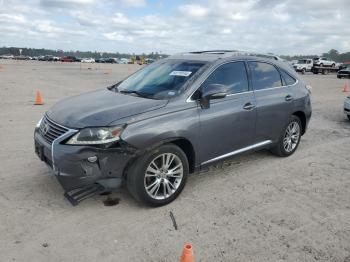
column 181, row 73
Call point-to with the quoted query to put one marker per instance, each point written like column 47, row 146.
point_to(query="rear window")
column 287, row 79
column 264, row 75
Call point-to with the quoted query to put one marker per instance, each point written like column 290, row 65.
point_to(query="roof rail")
column 213, row 52
column 228, row 53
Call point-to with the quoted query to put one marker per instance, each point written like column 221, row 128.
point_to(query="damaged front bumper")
column 81, row 167
column 347, row 106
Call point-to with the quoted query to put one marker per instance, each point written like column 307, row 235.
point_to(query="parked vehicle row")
column 51, row 58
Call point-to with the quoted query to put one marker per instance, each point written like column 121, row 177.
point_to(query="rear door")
column 229, row 123
column 274, row 101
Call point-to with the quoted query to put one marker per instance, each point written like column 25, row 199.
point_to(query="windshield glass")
column 301, row 61
column 161, row 80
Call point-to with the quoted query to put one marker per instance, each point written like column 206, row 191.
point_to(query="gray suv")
column 170, row 119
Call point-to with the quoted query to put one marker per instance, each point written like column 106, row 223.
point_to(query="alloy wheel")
column 291, row 137
column 163, row 176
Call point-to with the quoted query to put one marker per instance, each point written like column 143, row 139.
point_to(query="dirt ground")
column 255, row 207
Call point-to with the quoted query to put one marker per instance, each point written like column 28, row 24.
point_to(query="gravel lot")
column 255, row 207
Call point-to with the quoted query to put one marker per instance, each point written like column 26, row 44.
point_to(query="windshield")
column 301, row 61
column 161, row 80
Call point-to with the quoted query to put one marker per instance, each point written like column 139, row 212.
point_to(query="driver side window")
column 232, row 75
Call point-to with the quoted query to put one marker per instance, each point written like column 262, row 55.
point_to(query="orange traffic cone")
column 38, row 100
column 345, row 88
column 187, row 253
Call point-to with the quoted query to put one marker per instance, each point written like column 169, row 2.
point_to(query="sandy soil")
column 255, row 207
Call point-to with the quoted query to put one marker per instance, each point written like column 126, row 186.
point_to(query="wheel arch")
column 184, row 144
column 301, row 115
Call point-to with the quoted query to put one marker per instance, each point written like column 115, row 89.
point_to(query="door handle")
column 248, row 106
column 288, row 98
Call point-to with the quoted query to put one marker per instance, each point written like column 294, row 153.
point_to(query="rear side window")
column 287, row 79
column 232, row 75
column 264, row 75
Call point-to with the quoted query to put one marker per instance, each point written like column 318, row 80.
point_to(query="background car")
column 303, row 65
column 345, row 72
column 69, row 59
column 88, row 60
column 322, row 61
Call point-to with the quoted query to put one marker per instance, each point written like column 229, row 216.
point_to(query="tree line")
column 331, row 54
column 82, row 54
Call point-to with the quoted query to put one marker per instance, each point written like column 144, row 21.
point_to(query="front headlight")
column 96, row 136
column 38, row 124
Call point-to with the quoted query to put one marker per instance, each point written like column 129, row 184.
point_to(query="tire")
column 162, row 181
column 303, row 71
column 321, row 65
column 338, row 76
column 348, row 117
column 279, row 149
column 333, row 65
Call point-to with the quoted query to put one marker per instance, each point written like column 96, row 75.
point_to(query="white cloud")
column 279, row 26
column 194, row 10
column 135, row 3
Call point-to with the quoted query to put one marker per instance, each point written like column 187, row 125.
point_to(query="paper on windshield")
column 180, row 73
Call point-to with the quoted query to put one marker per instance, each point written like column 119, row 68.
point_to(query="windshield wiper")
column 136, row 93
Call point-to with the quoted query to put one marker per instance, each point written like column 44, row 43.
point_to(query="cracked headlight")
column 96, row 136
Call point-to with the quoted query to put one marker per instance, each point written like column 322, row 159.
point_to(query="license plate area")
column 40, row 151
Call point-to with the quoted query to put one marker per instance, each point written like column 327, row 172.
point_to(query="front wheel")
column 159, row 176
column 289, row 139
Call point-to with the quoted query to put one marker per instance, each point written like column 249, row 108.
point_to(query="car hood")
column 99, row 108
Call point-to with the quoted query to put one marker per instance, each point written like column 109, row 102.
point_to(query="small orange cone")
column 38, row 100
column 187, row 253
column 345, row 88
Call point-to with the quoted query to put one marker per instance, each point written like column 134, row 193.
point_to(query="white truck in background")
column 303, row 65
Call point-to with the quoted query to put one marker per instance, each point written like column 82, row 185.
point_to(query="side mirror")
column 212, row 91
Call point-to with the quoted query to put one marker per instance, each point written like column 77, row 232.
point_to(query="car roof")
column 232, row 55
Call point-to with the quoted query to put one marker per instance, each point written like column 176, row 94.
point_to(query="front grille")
column 49, row 130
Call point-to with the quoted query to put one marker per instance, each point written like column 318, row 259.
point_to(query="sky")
column 171, row 26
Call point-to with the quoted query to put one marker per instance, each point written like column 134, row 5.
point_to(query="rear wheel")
column 349, row 117
column 289, row 139
column 321, row 65
column 333, row 65
column 159, row 176
column 303, row 71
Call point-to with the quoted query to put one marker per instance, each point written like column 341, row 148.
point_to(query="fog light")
column 92, row 159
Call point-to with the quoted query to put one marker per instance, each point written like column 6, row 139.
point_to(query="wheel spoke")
column 164, row 190
column 152, row 185
column 170, row 160
column 155, row 187
column 155, row 166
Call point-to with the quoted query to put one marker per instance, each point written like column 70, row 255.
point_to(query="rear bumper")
column 72, row 168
